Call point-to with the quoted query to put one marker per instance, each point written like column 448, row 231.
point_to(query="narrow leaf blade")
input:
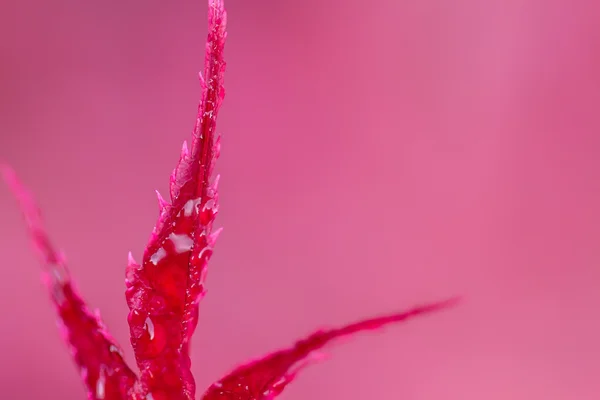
column 163, row 291
column 265, row 378
column 99, row 358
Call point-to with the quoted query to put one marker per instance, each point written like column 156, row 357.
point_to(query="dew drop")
column 115, row 349
column 189, row 206
column 159, row 255
column 181, row 242
column 101, row 384
column 205, row 253
column 149, row 325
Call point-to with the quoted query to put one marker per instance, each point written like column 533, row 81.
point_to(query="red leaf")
column 266, row 378
column 97, row 355
column 163, row 292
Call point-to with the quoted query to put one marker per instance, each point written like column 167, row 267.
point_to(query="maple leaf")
column 164, row 290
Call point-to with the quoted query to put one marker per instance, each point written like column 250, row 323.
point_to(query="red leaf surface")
column 163, row 292
column 99, row 358
column 266, row 378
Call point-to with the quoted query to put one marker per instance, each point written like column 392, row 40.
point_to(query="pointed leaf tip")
column 215, row 184
column 202, row 81
column 162, row 203
column 215, row 235
column 184, row 150
column 130, row 259
column 216, row 4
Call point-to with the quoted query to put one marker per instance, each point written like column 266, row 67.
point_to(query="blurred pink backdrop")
column 375, row 155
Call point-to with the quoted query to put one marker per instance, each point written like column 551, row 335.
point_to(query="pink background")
column 375, row 155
